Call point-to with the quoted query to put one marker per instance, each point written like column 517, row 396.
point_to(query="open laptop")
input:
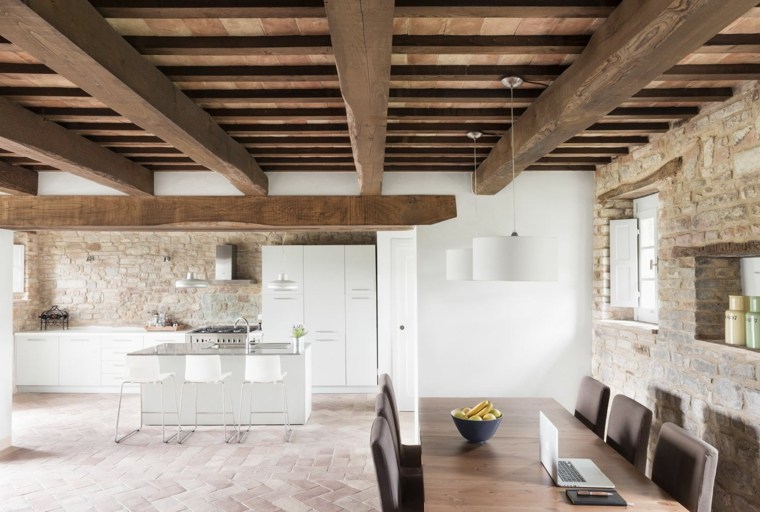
column 567, row 472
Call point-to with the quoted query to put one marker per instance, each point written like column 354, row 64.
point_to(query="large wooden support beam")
column 637, row 43
column 27, row 134
column 362, row 34
column 85, row 49
column 231, row 213
column 17, row 181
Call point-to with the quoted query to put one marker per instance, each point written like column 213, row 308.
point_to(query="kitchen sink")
column 273, row 345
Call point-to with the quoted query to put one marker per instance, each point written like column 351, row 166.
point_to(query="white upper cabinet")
column 323, row 269
column 360, row 269
column 276, row 259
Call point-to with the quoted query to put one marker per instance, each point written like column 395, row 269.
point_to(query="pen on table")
column 594, row 493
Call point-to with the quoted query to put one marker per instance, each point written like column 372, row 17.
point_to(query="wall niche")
column 717, row 274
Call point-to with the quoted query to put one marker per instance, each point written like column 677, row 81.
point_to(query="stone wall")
column 127, row 278
column 711, row 389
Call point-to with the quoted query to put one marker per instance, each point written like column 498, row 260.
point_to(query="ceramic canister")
column 736, row 320
column 752, row 323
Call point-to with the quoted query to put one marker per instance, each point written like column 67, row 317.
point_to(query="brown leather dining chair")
column 410, row 455
column 397, row 494
column 628, row 430
column 591, row 405
column 685, row 466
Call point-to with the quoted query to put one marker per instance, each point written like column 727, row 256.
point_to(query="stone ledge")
column 719, row 250
column 722, row 345
column 631, row 324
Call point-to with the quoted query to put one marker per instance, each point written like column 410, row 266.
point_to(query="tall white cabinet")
column 335, row 300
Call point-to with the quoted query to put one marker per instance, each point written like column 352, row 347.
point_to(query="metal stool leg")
column 288, row 430
column 116, row 438
column 176, row 409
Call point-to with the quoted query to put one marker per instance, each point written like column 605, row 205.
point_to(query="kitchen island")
column 267, row 397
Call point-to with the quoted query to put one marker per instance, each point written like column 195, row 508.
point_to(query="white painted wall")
column 6, row 336
column 489, row 339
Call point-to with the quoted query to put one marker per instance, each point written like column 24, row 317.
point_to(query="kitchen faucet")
column 247, row 328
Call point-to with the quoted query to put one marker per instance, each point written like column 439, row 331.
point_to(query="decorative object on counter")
column 191, row 282
column 54, row 316
column 282, row 283
column 736, row 320
column 298, row 332
column 752, row 323
column 514, row 258
column 173, row 327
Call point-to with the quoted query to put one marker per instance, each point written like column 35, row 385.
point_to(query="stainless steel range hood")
column 226, row 266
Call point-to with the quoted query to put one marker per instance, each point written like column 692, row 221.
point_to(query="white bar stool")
column 204, row 370
column 144, row 370
column 263, row 370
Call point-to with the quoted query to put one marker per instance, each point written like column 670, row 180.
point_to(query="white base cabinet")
column 71, row 361
column 36, row 360
column 79, row 361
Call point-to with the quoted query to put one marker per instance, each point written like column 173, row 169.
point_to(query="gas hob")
column 223, row 335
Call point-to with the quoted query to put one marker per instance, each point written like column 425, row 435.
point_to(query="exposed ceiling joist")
column 88, row 52
column 362, row 32
column 635, row 45
column 17, row 181
column 48, row 143
column 403, row 44
column 230, row 213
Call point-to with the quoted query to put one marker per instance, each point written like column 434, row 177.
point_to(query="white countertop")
column 104, row 329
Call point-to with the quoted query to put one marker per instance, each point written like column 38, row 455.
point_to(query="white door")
column 404, row 322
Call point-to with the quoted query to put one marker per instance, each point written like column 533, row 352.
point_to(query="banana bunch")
column 483, row 411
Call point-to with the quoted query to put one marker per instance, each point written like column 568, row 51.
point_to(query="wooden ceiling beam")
column 497, row 114
column 48, row 143
column 502, row 9
column 214, row 9
column 712, row 72
column 732, row 43
column 210, row 9
column 17, row 181
column 231, row 213
column 362, row 35
column 634, row 46
column 231, row 45
column 320, row 45
column 211, row 74
column 591, row 151
column 86, row 50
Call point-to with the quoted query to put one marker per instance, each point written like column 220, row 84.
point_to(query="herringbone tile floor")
column 65, row 459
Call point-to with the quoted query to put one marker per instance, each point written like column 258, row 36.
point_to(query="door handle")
column 401, row 327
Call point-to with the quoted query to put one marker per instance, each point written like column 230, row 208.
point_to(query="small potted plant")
column 298, row 332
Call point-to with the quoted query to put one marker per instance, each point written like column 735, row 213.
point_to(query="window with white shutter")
column 633, row 260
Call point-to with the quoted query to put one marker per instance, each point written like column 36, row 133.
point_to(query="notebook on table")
column 582, row 473
column 604, row 498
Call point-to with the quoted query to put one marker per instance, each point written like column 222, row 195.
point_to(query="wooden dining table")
column 505, row 474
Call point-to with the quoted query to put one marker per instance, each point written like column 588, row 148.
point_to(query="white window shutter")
column 624, row 263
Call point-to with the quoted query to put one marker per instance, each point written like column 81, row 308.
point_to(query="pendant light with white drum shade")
column 459, row 261
column 282, row 283
column 514, row 258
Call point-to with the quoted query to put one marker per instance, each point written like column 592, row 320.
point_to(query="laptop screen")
column 549, row 445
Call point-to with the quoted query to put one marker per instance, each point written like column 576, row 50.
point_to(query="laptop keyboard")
column 567, row 472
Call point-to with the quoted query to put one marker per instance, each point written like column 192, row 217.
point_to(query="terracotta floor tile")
column 65, row 459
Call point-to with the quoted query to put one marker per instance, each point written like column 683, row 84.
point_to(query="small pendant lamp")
column 459, row 261
column 190, row 281
column 514, row 258
column 282, row 283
